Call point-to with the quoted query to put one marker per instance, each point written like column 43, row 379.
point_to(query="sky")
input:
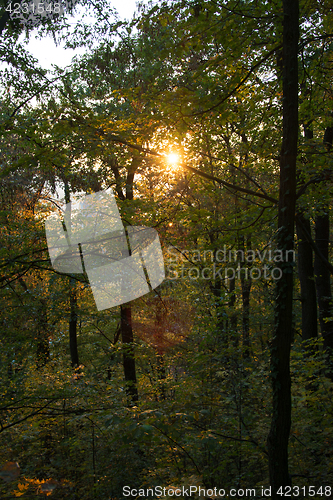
column 47, row 52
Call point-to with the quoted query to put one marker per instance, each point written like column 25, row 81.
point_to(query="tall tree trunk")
column 233, row 312
column 305, row 268
column 221, row 325
column 323, row 280
column 306, row 278
column 246, row 292
column 283, row 333
column 160, row 326
column 128, row 355
column 126, row 309
column 43, row 347
column 246, row 283
column 72, row 304
column 323, row 283
column 73, row 323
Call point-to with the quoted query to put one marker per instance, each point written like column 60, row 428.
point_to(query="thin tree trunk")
column 128, row 355
column 72, row 304
column 73, row 323
column 323, row 280
column 160, row 325
column 233, row 313
column 305, row 268
column 246, row 292
column 307, row 281
column 221, row 325
column 323, row 283
column 161, row 375
column 281, row 343
column 43, row 346
column 246, row 284
column 126, row 309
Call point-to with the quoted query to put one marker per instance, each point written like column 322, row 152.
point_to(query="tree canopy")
column 211, row 122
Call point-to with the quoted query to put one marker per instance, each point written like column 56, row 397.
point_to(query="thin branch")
column 233, row 438
column 179, row 446
column 5, row 427
column 314, row 180
column 194, row 170
column 229, row 94
column 231, row 186
column 314, row 39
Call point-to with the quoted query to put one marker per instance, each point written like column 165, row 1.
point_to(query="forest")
column 208, row 122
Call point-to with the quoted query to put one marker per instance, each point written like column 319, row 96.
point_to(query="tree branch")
column 249, row 73
column 118, row 139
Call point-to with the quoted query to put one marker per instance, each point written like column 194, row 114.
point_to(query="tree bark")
column 246, row 292
column 307, row 281
column 323, row 280
column 323, row 283
column 305, row 267
column 128, row 355
column 72, row 304
column 283, row 333
column 246, row 283
column 233, row 312
column 3, row 21
column 43, row 347
column 73, row 324
column 126, row 309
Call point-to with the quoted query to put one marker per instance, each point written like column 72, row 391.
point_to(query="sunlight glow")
column 173, row 159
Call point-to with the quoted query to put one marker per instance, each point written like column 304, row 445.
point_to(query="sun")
column 173, row 159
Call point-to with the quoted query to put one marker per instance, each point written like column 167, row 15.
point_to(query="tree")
column 216, row 82
column 283, row 334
